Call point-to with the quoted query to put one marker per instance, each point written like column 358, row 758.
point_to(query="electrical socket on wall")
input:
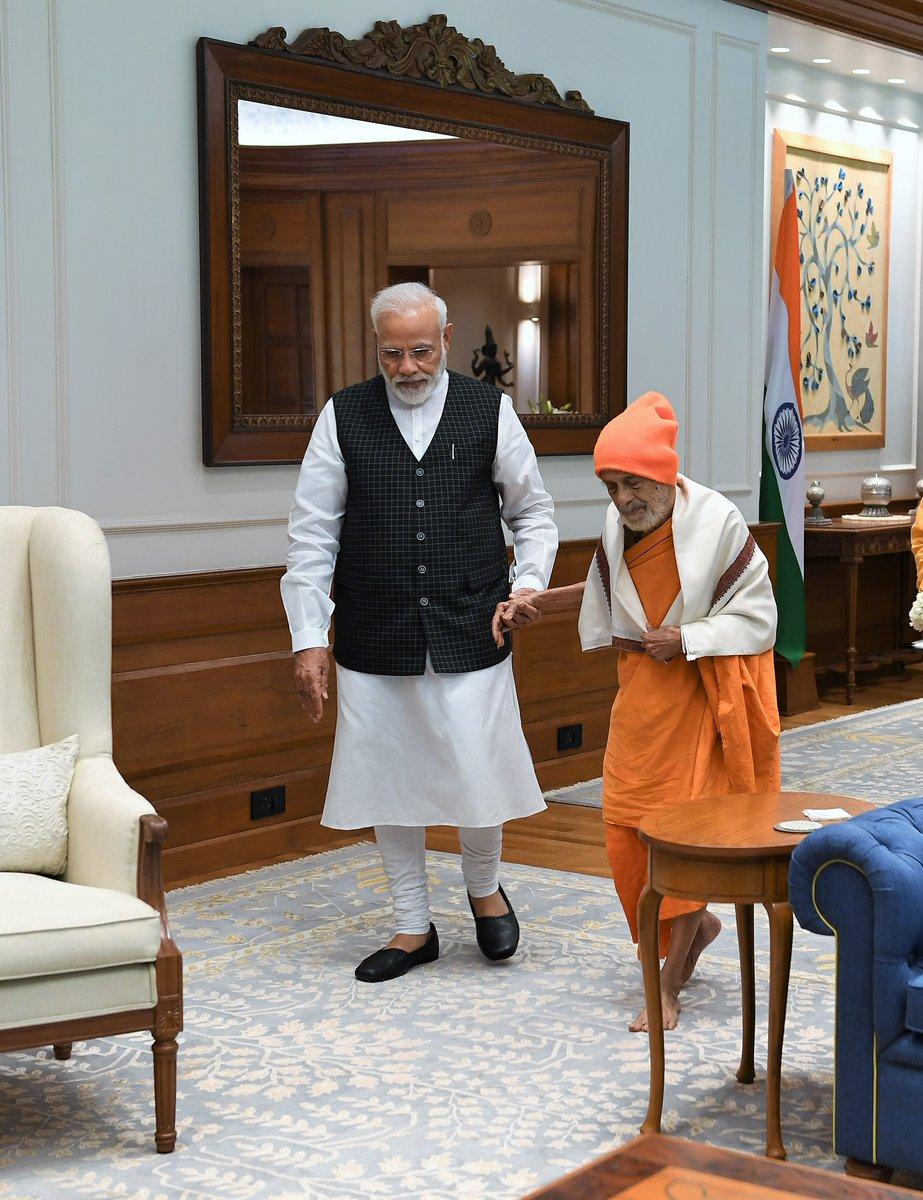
column 268, row 802
column 570, row 737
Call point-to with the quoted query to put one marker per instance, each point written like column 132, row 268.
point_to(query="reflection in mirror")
column 333, row 208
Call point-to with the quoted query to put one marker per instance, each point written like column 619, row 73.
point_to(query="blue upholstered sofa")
column 862, row 881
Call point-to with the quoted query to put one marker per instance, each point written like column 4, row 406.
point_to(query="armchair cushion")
column 48, row 927
column 34, row 786
column 80, row 994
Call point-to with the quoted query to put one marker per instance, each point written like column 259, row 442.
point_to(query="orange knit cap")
column 641, row 440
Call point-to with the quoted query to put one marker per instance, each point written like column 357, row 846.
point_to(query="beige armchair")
column 90, row 954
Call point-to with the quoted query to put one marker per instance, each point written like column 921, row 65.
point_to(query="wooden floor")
column 568, row 837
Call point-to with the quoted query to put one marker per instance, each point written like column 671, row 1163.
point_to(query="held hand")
column 312, row 669
column 663, row 644
column 514, row 613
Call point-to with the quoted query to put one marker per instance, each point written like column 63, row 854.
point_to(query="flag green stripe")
column 791, row 636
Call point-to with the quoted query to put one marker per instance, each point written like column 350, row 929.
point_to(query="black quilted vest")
column 422, row 562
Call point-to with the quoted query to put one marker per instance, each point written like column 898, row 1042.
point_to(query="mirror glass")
column 332, row 208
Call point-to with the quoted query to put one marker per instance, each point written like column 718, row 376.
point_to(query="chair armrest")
column 863, row 881
column 103, row 827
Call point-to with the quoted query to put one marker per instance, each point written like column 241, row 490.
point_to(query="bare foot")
column 671, row 1008
column 708, row 930
column 490, row 906
column 408, row 942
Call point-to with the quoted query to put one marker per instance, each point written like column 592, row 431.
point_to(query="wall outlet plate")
column 268, row 802
column 570, row 737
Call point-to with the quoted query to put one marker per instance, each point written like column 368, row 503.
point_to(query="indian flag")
column 782, row 478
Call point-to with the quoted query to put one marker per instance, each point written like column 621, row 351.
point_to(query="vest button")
column 424, row 601
column 421, row 537
column 420, row 471
column 421, row 569
column 421, row 504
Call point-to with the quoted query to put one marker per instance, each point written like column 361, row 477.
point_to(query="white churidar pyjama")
column 403, row 852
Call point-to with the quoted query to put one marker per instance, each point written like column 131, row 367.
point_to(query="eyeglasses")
column 422, row 354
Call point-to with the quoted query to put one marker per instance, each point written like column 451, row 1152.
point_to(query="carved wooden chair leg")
column 62, row 1050
column 866, row 1170
column 165, row 1093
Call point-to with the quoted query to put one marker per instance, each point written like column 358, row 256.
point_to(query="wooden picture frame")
column 849, row 212
column 426, row 77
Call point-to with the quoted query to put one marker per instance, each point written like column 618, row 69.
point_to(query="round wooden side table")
column 726, row 849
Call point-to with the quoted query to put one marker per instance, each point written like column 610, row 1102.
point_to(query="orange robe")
column 916, row 544
column 678, row 731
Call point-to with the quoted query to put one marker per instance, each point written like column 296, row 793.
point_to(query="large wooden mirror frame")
column 509, row 131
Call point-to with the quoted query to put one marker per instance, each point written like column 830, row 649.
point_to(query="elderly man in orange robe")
column 679, row 586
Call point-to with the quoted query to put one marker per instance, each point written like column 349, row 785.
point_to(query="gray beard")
column 416, row 397
column 652, row 519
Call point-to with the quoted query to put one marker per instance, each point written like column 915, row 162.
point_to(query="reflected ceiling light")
column 780, row 49
column 907, row 123
column 897, row 80
column 835, row 106
column 861, row 71
column 821, row 60
column 869, row 113
column 792, row 96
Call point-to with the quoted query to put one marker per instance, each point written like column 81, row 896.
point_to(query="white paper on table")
column 826, row 814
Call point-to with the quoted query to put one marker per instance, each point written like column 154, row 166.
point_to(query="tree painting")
column 842, row 200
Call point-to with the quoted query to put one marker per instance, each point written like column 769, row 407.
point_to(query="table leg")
column 780, row 964
column 649, row 944
column 852, row 608
column 746, row 1072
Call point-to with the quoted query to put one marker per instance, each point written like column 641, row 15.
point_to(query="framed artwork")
column 844, row 231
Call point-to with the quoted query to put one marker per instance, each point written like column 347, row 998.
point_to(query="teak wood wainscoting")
column 204, row 711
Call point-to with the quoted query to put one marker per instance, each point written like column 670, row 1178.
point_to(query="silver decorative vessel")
column 815, row 497
column 913, row 510
column 876, row 496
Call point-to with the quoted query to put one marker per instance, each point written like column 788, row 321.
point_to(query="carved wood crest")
column 433, row 51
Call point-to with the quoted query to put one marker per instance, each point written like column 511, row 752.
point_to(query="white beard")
column 419, row 393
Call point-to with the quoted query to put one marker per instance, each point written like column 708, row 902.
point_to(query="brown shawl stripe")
column 628, row 644
column 735, row 570
column 602, row 566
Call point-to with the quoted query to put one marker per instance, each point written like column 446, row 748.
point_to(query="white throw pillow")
column 34, row 785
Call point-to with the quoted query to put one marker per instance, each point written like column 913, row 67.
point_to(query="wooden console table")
column 852, row 543
column 665, row 1168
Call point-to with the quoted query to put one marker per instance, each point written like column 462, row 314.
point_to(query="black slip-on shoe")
column 391, row 963
column 498, row 937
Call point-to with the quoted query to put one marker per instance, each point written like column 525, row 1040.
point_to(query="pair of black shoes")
column 498, row 938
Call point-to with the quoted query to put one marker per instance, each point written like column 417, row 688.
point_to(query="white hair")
column 404, row 298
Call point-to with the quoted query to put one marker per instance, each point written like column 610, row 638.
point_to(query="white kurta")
column 437, row 748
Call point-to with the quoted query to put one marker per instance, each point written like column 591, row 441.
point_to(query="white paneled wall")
column 99, row 336
column 842, row 472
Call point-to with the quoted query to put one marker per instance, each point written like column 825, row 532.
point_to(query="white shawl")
column 725, row 605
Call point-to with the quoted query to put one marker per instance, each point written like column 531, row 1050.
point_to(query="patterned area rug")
column 875, row 755
column 463, row 1080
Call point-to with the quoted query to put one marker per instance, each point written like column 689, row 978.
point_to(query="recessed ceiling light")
column 792, row 96
column 821, row 60
column 896, row 80
column 835, row 106
column 907, row 123
column 861, row 71
column 869, row 113
column 780, row 50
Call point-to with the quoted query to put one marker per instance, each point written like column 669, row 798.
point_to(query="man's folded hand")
column 663, row 644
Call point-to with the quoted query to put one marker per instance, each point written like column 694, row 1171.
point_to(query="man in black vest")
column 399, row 505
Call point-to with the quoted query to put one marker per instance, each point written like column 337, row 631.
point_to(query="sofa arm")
column 863, row 882
column 886, row 848
column 103, row 824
